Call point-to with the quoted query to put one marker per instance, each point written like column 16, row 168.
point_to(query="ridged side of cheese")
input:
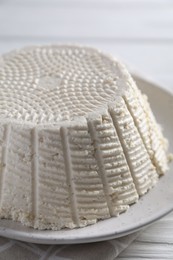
column 54, row 192
column 140, row 165
column 74, row 174
column 90, row 197
column 114, row 171
column 16, row 177
column 148, row 128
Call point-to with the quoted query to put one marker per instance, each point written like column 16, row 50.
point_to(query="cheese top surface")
column 49, row 84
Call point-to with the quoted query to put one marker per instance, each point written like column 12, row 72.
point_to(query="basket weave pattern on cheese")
column 45, row 85
column 79, row 142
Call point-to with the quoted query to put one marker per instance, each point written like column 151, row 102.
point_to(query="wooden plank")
column 156, row 242
column 57, row 21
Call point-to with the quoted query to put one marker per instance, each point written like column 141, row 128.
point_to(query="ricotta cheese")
column 79, row 142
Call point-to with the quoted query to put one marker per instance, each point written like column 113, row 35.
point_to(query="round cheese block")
column 78, row 140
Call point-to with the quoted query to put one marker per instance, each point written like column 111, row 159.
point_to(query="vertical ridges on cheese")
column 98, row 155
column 54, row 203
column 150, row 132
column 17, row 179
column 108, row 151
column 5, row 136
column 158, row 142
column 133, row 147
column 35, row 173
column 89, row 188
column 137, row 113
column 69, row 174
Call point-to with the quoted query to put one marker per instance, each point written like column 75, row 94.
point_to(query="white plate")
column 154, row 205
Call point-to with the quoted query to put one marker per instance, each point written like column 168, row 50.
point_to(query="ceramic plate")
column 154, row 205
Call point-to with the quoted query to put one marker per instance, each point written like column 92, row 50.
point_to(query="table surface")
column 138, row 32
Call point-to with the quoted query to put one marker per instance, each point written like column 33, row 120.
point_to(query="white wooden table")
column 138, row 32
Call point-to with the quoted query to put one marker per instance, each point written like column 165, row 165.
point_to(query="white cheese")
column 79, row 142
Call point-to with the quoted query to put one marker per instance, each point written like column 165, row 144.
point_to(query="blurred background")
column 138, row 32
